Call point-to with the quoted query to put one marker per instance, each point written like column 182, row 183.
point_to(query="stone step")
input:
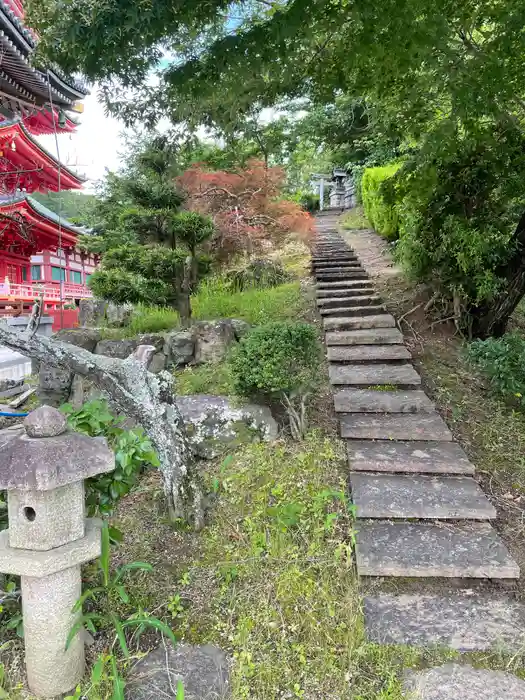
column 443, row 550
column 390, row 456
column 343, row 284
column 463, row 621
column 394, row 426
column 459, row 682
column 365, row 336
column 419, row 496
column 367, row 353
column 369, row 401
column 336, row 275
column 373, row 375
column 350, row 300
column 351, row 324
column 346, row 256
column 347, row 310
column 337, row 264
column 366, row 290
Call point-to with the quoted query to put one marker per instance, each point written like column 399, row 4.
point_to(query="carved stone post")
column 48, row 539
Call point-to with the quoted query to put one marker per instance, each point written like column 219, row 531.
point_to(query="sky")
column 94, row 146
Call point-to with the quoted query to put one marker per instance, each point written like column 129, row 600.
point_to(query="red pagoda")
column 37, row 247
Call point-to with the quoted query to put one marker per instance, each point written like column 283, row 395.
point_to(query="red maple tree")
column 246, row 206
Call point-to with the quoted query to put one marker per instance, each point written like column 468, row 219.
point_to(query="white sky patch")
column 94, row 147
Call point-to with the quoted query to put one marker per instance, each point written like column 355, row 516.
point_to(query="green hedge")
column 381, row 214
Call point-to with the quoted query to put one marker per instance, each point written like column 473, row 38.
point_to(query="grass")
column 271, row 580
column 211, row 378
column 355, row 219
column 215, row 300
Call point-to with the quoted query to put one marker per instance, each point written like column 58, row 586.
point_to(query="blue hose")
column 13, row 415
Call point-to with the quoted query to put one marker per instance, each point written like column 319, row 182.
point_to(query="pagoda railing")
column 18, row 292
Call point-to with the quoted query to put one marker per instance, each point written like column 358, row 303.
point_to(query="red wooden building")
column 37, row 247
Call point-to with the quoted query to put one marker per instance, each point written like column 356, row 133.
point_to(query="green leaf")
column 180, row 691
column 105, row 553
column 118, row 682
column 124, row 597
column 97, row 670
column 135, row 565
column 155, row 623
column 120, row 634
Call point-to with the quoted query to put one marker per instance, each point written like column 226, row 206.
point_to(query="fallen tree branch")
column 408, row 313
column 147, row 398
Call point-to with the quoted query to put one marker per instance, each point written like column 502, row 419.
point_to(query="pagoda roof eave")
column 19, row 125
column 16, row 27
column 10, row 203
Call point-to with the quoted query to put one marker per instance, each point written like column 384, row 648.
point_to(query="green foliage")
column 133, row 453
column 275, row 359
column 105, row 603
column 380, row 211
column 192, row 229
column 309, row 201
column 355, row 220
column 502, row 360
column 258, row 273
column 214, row 299
column 214, row 378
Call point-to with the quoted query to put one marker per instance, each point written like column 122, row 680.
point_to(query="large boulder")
column 116, row 348
column 203, row 670
column 215, row 426
column 212, row 340
column 118, row 314
column 179, row 348
column 54, row 385
column 155, row 339
column 92, row 312
column 240, row 327
column 157, row 363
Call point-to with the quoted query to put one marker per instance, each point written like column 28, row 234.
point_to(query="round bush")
column 275, row 358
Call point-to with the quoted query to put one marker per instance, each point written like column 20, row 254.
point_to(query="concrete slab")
column 464, row 621
column 419, row 496
column 455, row 682
column 365, row 336
column 351, row 324
column 367, row 353
column 346, row 310
column 370, row 401
column 447, row 550
column 407, row 457
column 394, row 426
column 373, row 375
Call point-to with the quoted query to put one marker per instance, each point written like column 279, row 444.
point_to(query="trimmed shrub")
column 276, row 359
column 379, row 208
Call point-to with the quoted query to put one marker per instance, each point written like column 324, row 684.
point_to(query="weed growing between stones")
column 211, row 378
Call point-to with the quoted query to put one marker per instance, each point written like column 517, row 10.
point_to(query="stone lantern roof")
column 48, row 455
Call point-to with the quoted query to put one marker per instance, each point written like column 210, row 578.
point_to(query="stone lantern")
column 43, row 471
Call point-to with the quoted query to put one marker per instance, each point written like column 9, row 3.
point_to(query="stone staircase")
column 420, row 512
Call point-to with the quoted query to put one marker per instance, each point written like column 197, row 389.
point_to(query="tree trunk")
column 184, row 293
column 491, row 319
column 139, row 394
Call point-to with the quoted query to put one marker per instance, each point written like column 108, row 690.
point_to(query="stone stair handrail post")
column 49, row 538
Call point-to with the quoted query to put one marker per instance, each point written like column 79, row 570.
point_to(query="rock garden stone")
column 156, row 339
column 118, row 314
column 54, row 384
column 212, row 340
column 215, row 426
column 157, row 362
column 120, row 349
column 45, row 422
column 92, row 312
column 203, row 670
column 240, row 327
column 179, row 348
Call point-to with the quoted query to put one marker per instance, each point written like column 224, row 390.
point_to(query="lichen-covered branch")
column 139, row 394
